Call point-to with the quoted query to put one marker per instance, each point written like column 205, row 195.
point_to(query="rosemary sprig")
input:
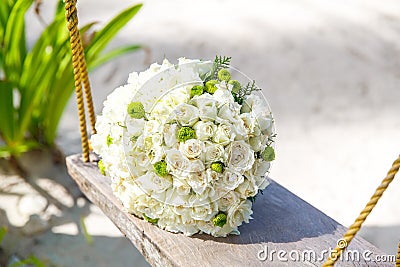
column 248, row 89
column 244, row 91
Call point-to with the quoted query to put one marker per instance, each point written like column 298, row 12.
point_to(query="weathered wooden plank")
column 286, row 228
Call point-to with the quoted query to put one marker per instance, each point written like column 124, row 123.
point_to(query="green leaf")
column 88, row 237
column 268, row 154
column 87, row 27
column 31, row 260
column 4, row 13
column 7, row 111
column 40, row 69
column 44, row 75
column 14, row 40
column 3, row 232
column 104, row 36
column 18, row 148
column 112, row 54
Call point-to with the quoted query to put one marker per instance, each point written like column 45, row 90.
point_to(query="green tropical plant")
column 36, row 83
column 31, row 260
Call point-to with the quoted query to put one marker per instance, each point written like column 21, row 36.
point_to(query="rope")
column 88, row 91
column 80, row 73
column 352, row 231
column 76, row 47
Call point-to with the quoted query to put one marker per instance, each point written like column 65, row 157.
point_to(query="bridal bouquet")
column 187, row 146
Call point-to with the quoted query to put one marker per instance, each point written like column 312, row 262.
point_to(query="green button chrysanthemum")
column 220, row 219
column 160, row 168
column 211, row 86
column 224, row 75
column 235, row 86
column 186, row 133
column 217, row 166
column 196, row 90
column 136, row 110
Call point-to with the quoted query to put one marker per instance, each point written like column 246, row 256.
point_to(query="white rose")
column 181, row 186
column 186, row 115
column 264, row 121
column 152, row 145
column 176, row 162
column 231, row 179
column 151, row 182
column 261, row 167
column 198, row 181
column 225, row 199
column 97, row 142
column 196, row 165
column 237, row 214
column 169, row 220
column 191, row 148
column 154, row 208
column 183, row 212
column 151, row 127
column 251, row 104
column 173, row 198
column 134, row 126
column 248, row 188
column 223, row 94
column 170, row 132
column 178, row 96
column 224, row 134
column 261, row 182
column 229, row 111
column 211, row 229
column 188, row 228
column 212, row 176
column 240, row 156
column 204, row 212
column 142, row 159
column 240, row 130
column 249, row 122
column 258, row 179
column 257, row 143
column 204, row 130
column 207, row 106
column 162, row 110
column 213, row 152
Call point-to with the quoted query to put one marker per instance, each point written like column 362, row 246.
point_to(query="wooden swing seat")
column 282, row 222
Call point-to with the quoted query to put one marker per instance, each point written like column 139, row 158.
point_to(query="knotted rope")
column 80, row 75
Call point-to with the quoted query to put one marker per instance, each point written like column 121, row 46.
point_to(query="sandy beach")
column 331, row 74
